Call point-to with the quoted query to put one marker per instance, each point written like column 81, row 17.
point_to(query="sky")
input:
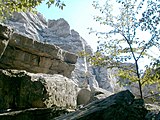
column 79, row 14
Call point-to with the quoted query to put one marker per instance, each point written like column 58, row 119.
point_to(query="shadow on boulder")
column 120, row 106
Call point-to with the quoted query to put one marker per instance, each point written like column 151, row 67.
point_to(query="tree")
column 8, row 7
column 122, row 42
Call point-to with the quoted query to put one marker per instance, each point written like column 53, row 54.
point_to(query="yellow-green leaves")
column 124, row 41
column 128, row 74
column 8, row 7
column 151, row 76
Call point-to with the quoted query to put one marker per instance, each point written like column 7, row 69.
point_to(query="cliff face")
column 58, row 32
column 26, row 54
column 56, row 77
column 49, row 67
column 46, row 82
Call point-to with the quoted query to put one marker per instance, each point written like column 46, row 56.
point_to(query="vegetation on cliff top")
column 8, row 7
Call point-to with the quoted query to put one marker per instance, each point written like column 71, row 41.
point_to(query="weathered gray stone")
column 28, row 24
column 107, row 78
column 90, row 94
column 84, row 96
column 42, row 49
column 20, row 90
column 60, row 27
column 98, row 93
column 5, row 33
column 120, row 106
column 24, row 53
column 56, row 32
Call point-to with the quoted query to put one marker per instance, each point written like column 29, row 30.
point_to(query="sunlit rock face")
column 58, row 32
column 24, row 53
column 50, row 49
column 107, row 78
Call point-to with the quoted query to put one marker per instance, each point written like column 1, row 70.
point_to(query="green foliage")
column 151, row 76
column 128, row 74
column 130, row 19
column 8, row 7
column 57, row 3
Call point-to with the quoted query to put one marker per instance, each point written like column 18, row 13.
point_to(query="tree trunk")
column 139, row 80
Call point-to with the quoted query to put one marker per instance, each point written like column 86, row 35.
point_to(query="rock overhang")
column 24, row 53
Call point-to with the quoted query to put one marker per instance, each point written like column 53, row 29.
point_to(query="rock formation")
column 28, row 54
column 120, row 106
column 87, row 95
column 56, row 77
column 20, row 89
column 58, row 32
column 36, row 51
column 34, row 114
column 5, row 34
column 106, row 78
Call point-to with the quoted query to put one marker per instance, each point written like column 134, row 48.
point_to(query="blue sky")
column 78, row 13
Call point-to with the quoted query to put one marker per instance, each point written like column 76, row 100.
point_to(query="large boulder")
column 90, row 94
column 98, row 93
column 84, row 96
column 24, row 53
column 120, row 106
column 20, row 90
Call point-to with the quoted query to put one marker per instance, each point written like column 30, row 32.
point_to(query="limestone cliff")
column 27, row 54
column 58, row 32
column 23, row 52
column 48, row 87
column 48, row 52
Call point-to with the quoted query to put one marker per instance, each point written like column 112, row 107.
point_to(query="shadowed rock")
column 21, row 90
column 5, row 33
column 33, row 114
column 120, row 106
